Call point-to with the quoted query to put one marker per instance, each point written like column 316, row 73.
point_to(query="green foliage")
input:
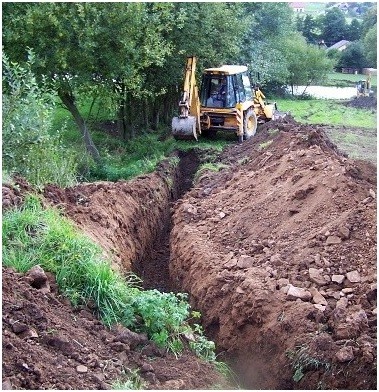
column 370, row 44
column 201, row 346
column 370, row 19
column 33, row 235
column 334, row 26
column 127, row 160
column 28, row 147
column 130, row 379
column 302, row 362
column 306, row 63
column 208, row 166
column 354, row 30
column 309, row 27
column 353, row 56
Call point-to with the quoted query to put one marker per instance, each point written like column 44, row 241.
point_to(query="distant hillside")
column 351, row 9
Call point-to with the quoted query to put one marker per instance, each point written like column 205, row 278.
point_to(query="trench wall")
column 124, row 217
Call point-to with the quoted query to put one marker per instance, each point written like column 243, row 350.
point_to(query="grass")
column 208, row 166
column 124, row 159
column 318, row 111
column 130, row 380
column 302, row 362
column 359, row 145
column 339, row 79
column 353, row 130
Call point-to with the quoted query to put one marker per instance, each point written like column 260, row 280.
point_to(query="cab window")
column 240, row 89
column 247, row 86
column 217, row 91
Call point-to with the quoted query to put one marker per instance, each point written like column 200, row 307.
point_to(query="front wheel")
column 249, row 124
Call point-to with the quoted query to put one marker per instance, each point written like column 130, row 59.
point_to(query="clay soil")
column 277, row 250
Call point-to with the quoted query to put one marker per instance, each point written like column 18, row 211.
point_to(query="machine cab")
column 224, row 87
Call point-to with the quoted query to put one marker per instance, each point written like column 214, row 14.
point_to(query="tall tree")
column 370, row 19
column 211, row 31
column 306, row 63
column 353, row 56
column 310, row 29
column 269, row 25
column 370, row 45
column 334, row 26
column 81, row 43
column 354, row 30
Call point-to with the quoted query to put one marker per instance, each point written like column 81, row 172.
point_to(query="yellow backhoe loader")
column 226, row 102
column 364, row 87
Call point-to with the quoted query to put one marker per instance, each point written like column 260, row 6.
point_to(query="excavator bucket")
column 277, row 116
column 184, row 128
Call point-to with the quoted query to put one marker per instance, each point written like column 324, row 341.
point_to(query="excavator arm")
column 187, row 124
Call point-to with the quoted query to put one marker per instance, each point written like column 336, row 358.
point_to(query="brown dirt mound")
column 279, row 253
column 49, row 345
column 363, row 103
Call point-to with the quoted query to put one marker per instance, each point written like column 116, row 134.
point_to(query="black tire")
column 210, row 134
column 249, row 124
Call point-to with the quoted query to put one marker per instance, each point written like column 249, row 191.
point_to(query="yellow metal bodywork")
column 364, row 87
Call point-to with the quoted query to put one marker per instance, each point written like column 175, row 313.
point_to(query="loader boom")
column 187, row 124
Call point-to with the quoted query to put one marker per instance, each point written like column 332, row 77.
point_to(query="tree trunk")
column 68, row 101
column 122, row 112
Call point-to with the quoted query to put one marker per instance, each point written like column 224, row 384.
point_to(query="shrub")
column 28, row 148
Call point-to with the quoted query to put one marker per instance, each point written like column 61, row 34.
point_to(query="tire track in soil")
column 153, row 269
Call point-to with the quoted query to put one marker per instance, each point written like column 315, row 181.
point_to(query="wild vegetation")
column 113, row 54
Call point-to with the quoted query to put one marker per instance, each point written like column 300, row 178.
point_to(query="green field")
column 322, row 111
column 353, row 130
column 315, row 8
column 339, row 79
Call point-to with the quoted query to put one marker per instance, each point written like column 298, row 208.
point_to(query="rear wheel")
column 249, row 124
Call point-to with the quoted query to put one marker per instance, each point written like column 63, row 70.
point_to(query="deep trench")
column 153, row 266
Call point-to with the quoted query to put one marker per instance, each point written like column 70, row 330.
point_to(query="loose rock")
column 353, row 276
column 294, row 293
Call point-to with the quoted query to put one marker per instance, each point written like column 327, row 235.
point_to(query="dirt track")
column 278, row 251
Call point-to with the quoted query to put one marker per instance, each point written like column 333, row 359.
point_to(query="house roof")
column 339, row 44
column 297, row 5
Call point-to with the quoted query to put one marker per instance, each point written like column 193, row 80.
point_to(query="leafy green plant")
column 130, row 379
column 201, row 346
column 28, row 148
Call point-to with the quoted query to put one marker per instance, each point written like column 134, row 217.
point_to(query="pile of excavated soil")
column 363, row 103
column 279, row 253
